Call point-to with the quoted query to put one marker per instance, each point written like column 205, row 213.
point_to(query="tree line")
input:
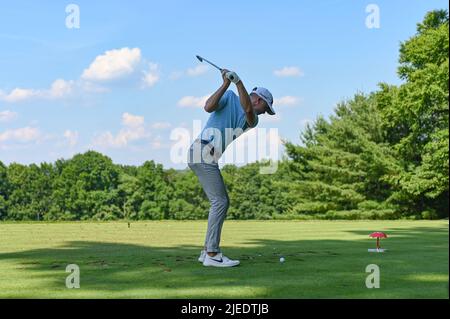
column 382, row 155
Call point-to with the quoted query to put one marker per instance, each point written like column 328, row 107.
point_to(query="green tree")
column 186, row 197
column 87, row 184
column 153, row 191
column 416, row 118
column 341, row 166
column 30, row 191
column 130, row 199
column 386, row 154
column 3, row 191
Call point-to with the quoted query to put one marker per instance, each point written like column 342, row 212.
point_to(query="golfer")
column 231, row 115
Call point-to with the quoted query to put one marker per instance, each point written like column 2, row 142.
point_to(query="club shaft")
column 220, row 69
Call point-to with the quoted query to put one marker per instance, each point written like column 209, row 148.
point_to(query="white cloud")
column 113, row 64
column 58, row 89
column 198, row 70
column 161, row 125
column 7, row 116
column 192, row 101
column 18, row 94
column 105, row 139
column 122, row 139
column 191, row 72
column 287, row 101
column 151, row 76
column 134, row 130
column 132, row 120
column 288, row 71
column 72, row 137
column 25, row 134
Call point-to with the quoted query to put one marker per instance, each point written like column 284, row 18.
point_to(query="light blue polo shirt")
column 227, row 122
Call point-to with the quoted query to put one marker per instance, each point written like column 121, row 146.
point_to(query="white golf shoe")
column 219, row 260
column 202, row 256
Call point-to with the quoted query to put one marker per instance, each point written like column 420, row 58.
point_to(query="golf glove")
column 233, row 77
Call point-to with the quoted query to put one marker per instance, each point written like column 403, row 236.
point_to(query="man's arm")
column 213, row 102
column 246, row 103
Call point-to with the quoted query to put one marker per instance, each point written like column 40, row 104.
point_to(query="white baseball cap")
column 266, row 96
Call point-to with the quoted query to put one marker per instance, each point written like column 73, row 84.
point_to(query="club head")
column 199, row 58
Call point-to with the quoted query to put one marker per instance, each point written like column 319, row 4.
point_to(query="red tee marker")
column 378, row 235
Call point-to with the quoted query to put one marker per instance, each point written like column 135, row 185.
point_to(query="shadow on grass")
column 416, row 266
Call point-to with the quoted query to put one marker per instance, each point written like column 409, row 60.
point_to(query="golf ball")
column 282, row 260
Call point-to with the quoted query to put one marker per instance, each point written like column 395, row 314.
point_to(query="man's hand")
column 213, row 102
column 233, row 77
column 226, row 80
column 230, row 76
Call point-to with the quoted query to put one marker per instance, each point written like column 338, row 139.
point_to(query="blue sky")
column 127, row 78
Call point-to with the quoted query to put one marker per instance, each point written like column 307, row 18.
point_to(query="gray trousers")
column 211, row 180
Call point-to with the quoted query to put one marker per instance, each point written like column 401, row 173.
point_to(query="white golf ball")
column 282, row 260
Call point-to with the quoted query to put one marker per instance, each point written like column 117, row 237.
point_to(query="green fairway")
column 324, row 259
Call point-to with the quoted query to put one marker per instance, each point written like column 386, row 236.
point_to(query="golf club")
column 230, row 75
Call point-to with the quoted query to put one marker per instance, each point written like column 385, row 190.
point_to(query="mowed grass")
column 158, row 259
